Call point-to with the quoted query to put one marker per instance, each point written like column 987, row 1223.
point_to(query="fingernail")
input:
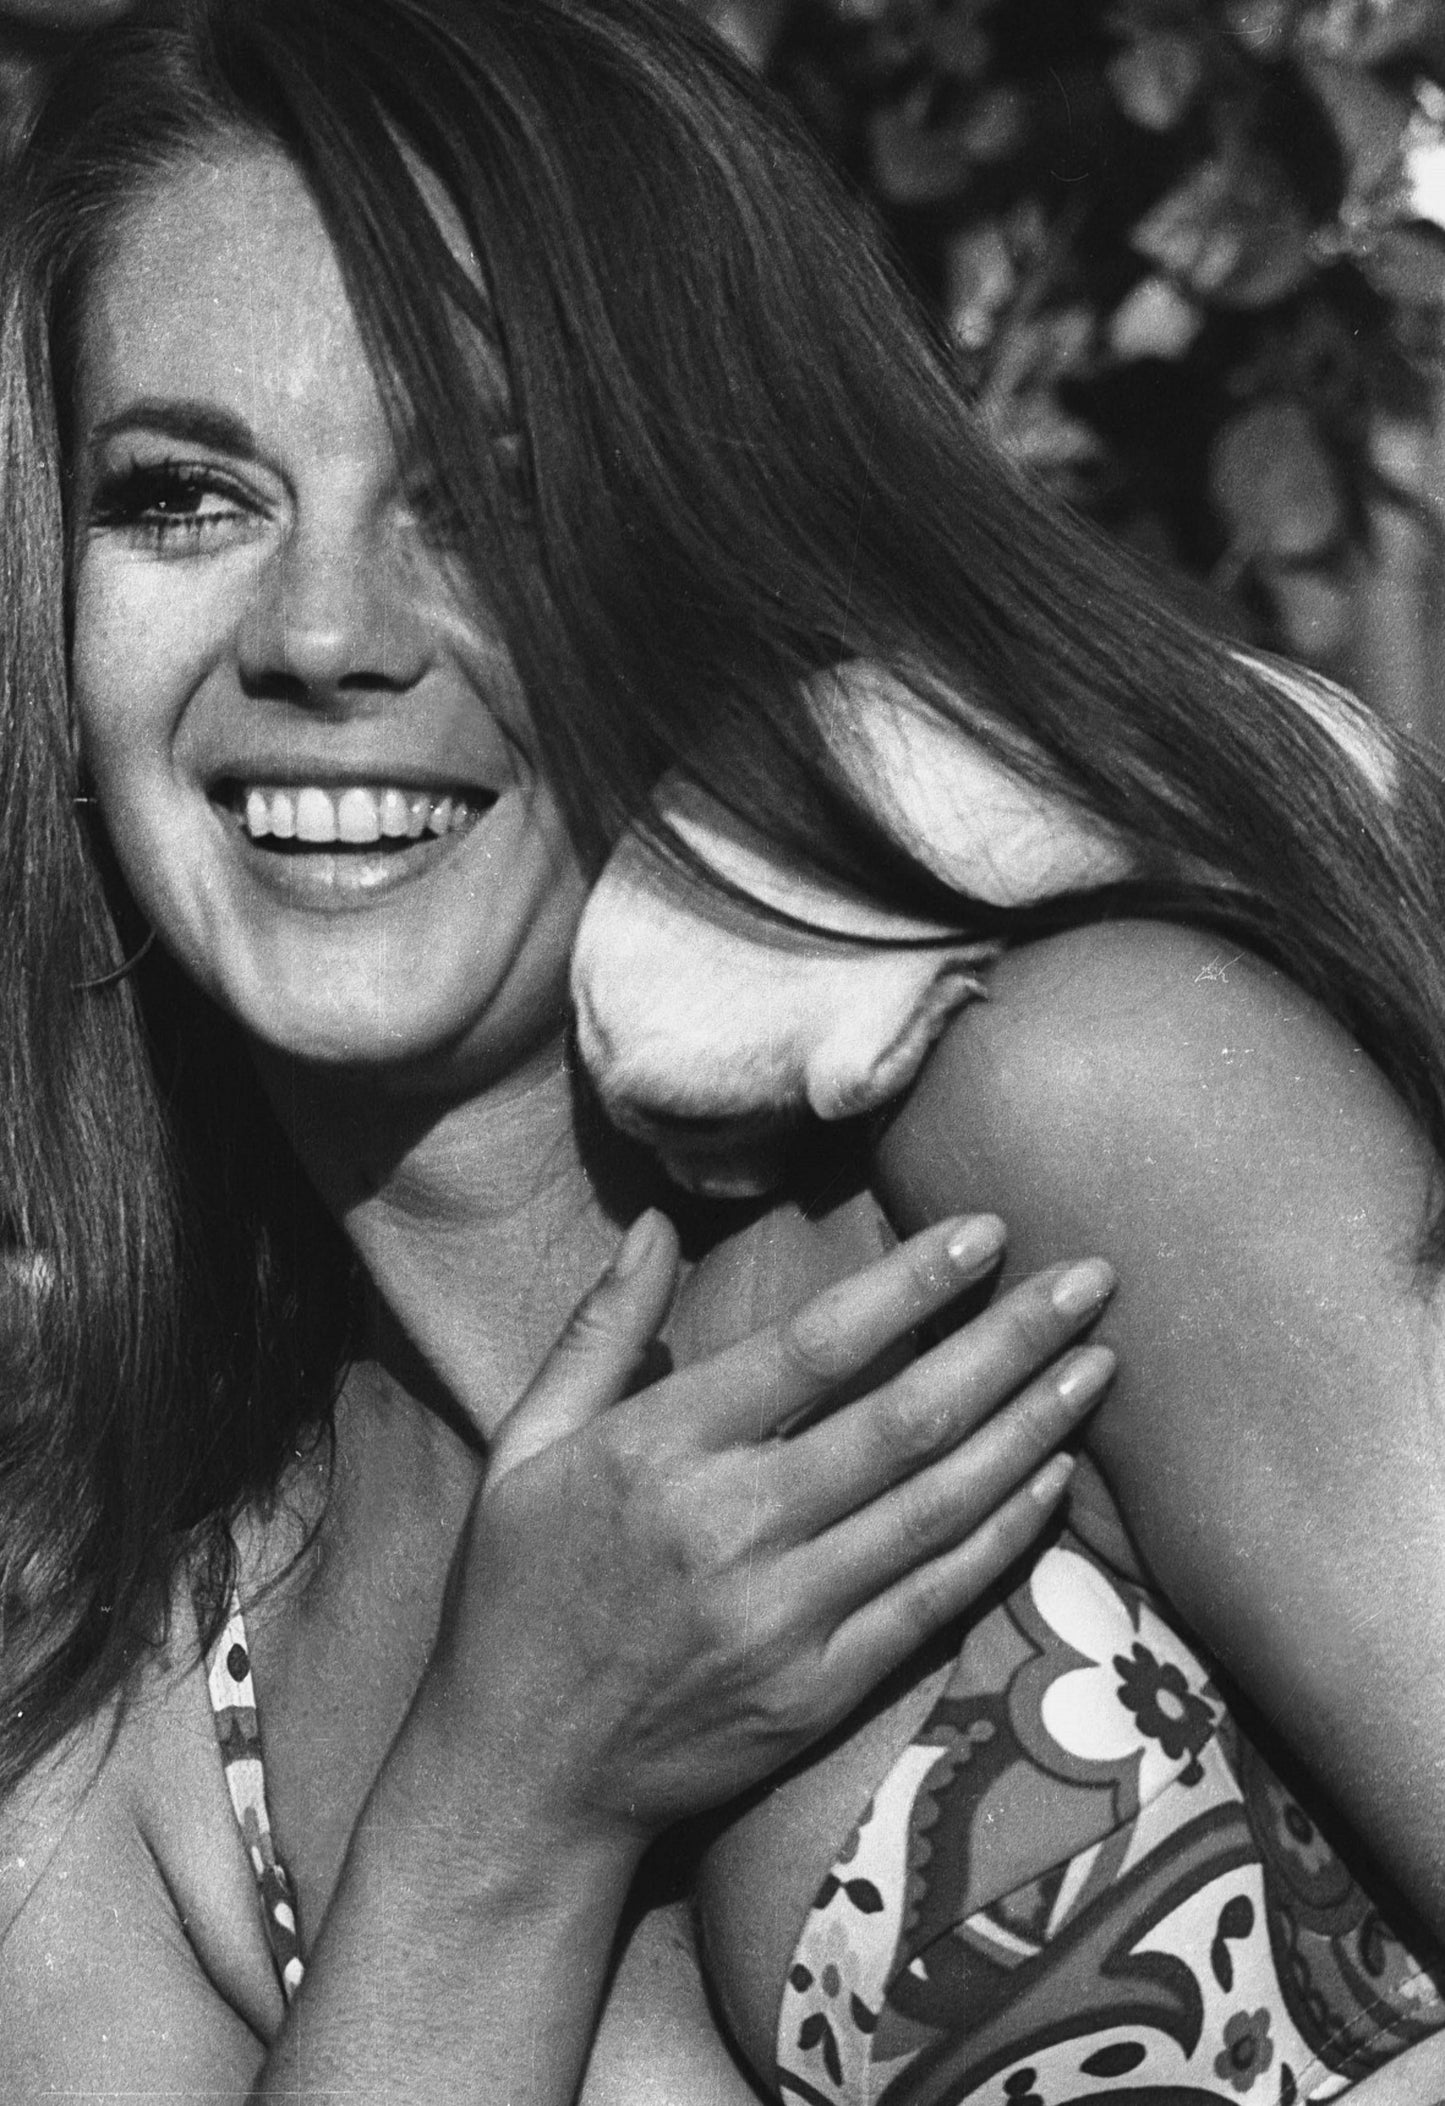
column 1046, row 1484
column 975, row 1242
column 635, row 1247
column 1083, row 1288
column 1081, row 1377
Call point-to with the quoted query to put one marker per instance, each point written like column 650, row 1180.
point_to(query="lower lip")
column 329, row 880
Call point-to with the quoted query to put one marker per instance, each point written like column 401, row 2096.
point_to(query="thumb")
column 597, row 1355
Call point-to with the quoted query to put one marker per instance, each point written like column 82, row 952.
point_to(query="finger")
column 754, row 1387
column 942, row 1506
column 882, row 1634
column 597, row 1354
column 935, row 1402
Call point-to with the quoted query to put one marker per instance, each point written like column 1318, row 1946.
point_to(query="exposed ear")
column 850, row 1072
column 708, row 1029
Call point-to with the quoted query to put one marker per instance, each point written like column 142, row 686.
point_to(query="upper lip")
column 296, row 771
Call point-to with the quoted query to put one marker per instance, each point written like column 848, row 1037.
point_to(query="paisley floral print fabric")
column 238, row 1729
column 1081, row 1880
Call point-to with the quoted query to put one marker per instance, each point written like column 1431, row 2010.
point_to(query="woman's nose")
column 336, row 621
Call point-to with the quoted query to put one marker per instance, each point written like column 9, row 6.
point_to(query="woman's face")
column 308, row 742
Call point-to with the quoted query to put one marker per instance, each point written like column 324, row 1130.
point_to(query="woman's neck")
column 476, row 1219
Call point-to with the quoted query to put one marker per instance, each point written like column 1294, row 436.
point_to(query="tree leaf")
column 1155, row 79
column 1369, row 120
column 1233, row 232
column 1407, row 264
column 1274, row 483
column 1154, row 320
column 915, row 163
column 1036, row 433
column 750, row 26
column 1315, row 609
column 1425, row 154
column 1369, row 32
column 981, row 275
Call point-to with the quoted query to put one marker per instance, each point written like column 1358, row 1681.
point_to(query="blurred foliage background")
column 1193, row 255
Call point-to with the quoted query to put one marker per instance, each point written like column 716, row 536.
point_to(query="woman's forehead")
column 221, row 277
column 223, row 274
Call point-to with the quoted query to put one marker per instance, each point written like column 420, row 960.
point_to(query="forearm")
column 461, row 1963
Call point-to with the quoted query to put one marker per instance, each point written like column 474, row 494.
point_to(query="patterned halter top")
column 1079, row 1881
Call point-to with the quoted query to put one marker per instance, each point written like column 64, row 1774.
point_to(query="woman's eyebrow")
column 200, row 423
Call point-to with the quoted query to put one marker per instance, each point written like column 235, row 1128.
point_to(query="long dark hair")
column 724, row 453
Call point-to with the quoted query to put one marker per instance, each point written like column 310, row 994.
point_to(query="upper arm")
column 1274, row 1436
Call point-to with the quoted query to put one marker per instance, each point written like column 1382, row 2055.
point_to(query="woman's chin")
column 399, row 1030
column 386, row 1034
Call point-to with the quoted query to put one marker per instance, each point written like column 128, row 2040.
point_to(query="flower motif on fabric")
column 1248, row 2050
column 1299, row 1837
column 1166, row 1708
column 1019, row 2088
column 1141, row 1697
column 836, row 2008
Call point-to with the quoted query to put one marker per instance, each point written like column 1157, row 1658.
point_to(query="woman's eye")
column 167, row 503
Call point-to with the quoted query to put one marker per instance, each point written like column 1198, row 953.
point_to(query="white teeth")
column 315, row 816
column 357, row 818
column 394, row 814
column 357, row 815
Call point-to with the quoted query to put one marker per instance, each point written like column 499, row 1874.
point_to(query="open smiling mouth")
column 302, row 818
column 351, row 839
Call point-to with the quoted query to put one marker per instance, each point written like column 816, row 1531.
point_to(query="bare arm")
column 1275, row 1437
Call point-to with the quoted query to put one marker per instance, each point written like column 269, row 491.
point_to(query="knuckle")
column 924, row 1521
column 787, row 1700
column 593, row 1323
column 1034, row 1420
column 714, row 1529
column 906, row 1429
column 645, row 1480
column 1030, row 1328
column 809, row 1344
column 1011, row 1530
column 617, row 1480
column 924, row 1606
column 790, row 1712
column 706, row 1544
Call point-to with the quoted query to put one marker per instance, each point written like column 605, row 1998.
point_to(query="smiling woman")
column 276, row 665
column 424, row 426
column 245, row 1463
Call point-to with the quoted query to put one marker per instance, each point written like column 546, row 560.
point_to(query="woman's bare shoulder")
column 1126, row 1060
column 1158, row 1096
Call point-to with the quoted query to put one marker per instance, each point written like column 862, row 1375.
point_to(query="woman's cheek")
column 147, row 635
